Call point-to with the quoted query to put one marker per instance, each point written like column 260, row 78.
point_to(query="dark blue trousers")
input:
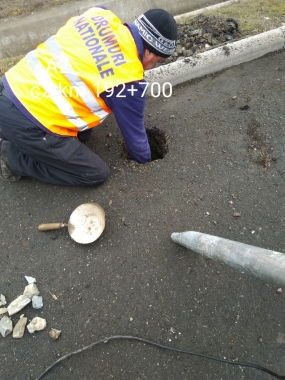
column 48, row 157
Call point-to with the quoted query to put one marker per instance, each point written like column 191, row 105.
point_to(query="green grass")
column 253, row 16
column 6, row 63
column 14, row 8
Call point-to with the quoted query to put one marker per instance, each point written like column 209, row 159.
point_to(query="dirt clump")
column 203, row 33
column 258, row 149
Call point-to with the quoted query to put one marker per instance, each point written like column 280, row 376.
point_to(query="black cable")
column 126, row 337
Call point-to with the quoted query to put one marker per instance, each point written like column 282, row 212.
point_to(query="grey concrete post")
column 263, row 263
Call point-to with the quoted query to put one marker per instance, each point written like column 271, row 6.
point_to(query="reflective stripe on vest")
column 53, row 91
column 67, row 70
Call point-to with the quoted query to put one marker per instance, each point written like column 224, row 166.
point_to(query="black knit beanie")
column 158, row 30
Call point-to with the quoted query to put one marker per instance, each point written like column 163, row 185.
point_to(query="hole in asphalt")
column 158, row 143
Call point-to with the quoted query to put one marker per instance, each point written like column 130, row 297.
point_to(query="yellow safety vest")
column 60, row 82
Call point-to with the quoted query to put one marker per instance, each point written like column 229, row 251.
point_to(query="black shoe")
column 5, row 172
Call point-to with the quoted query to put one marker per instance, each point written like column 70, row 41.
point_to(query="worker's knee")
column 100, row 174
column 105, row 172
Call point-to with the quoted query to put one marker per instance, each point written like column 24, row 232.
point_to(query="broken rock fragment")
column 37, row 302
column 18, row 304
column 19, row 328
column 6, row 326
column 30, row 280
column 2, row 300
column 31, row 290
column 54, row 334
column 36, row 324
column 3, row 310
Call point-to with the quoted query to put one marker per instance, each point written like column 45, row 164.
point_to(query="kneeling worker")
column 54, row 96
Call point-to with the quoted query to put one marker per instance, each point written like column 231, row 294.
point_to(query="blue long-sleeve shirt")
column 129, row 114
column 128, row 104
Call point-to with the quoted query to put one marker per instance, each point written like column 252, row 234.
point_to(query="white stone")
column 37, row 302
column 54, row 334
column 31, row 290
column 30, row 280
column 19, row 328
column 18, row 304
column 36, row 324
column 2, row 300
column 6, row 326
column 3, row 310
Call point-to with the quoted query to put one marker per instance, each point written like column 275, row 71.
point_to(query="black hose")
column 126, row 337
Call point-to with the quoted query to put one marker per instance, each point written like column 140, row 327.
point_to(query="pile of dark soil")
column 203, row 33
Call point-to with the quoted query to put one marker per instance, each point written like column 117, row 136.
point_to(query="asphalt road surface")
column 225, row 136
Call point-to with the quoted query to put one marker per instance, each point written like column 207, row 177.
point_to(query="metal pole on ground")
column 263, row 263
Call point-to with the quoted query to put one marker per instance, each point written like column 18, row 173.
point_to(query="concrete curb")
column 217, row 59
